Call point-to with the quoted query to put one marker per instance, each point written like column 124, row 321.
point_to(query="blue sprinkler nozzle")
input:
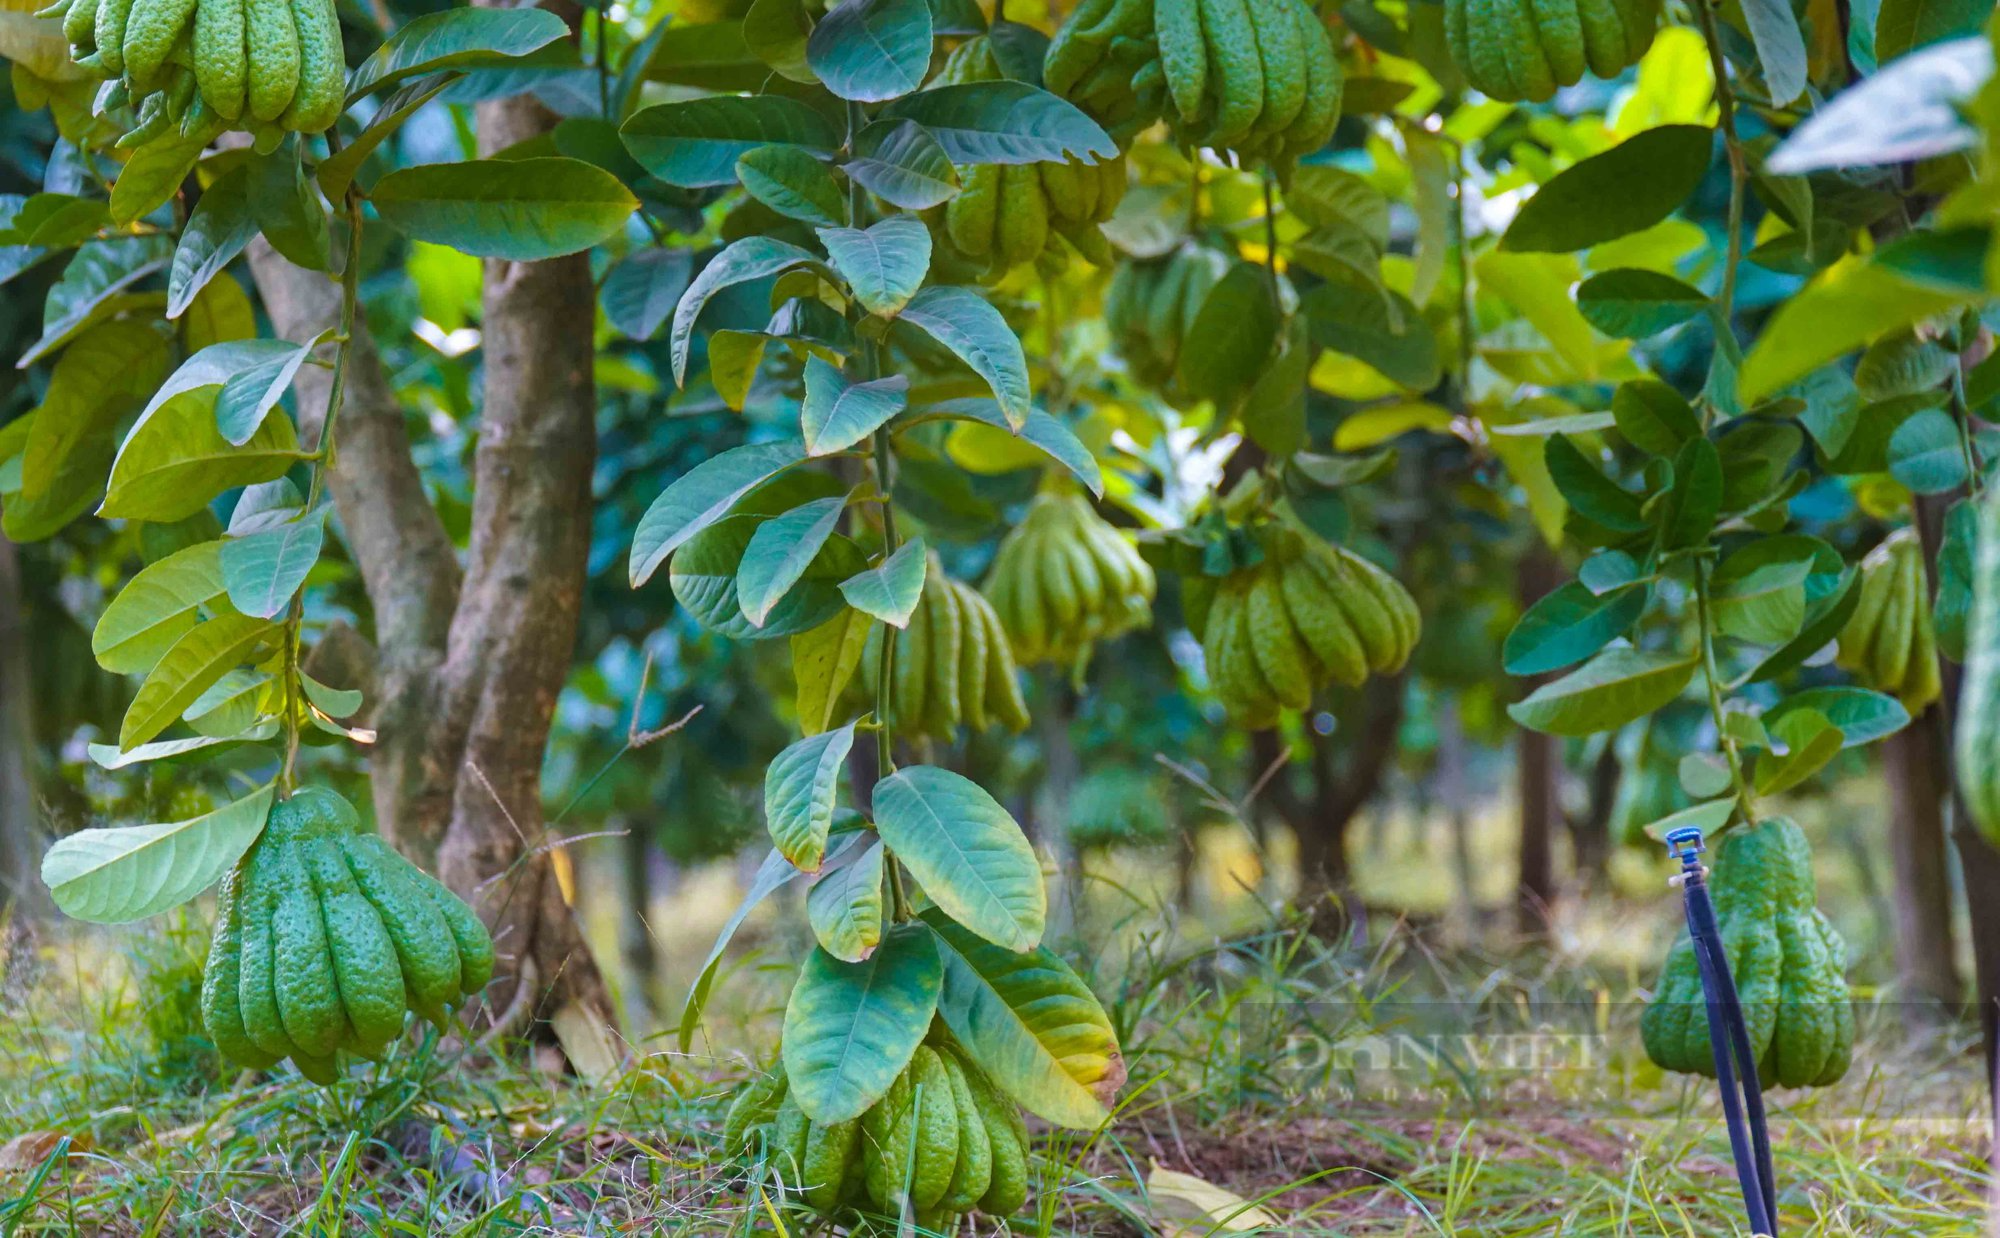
column 1685, row 843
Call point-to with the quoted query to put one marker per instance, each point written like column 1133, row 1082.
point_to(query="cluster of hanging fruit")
column 943, row 1140
column 953, row 665
column 1889, row 642
column 1064, row 579
column 326, row 938
column 198, row 67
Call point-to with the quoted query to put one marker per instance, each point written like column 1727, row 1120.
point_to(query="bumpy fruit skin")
column 1307, row 615
column 1788, row 963
column 1977, row 739
column 325, row 938
column 1516, row 50
column 941, row 1142
column 1889, row 641
column 1149, row 309
column 953, row 664
column 1064, row 579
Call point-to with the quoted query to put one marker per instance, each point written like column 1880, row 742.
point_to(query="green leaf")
column 710, row 55
column 869, row 51
column 642, row 288
column 1612, row 689
column 231, row 705
column 891, row 589
column 696, row 143
column 799, row 788
column 780, row 551
column 110, row 876
column 54, row 220
column 264, row 569
column 706, row 570
column 1594, row 496
column 175, row 461
column 966, row 323
column 1781, row 49
column 460, row 38
column 1756, row 456
column 518, row 209
column 1905, row 25
column 158, row 607
column 1626, row 189
column 1909, row 111
column 1847, row 305
column 1631, row 304
column 287, row 208
column 965, row 851
column 1810, row 739
column 184, row 672
column 1760, row 589
column 1955, row 575
column 1704, row 775
column 1042, row 429
column 823, row 660
column 1862, row 716
column 1825, row 617
column 752, row 258
column 851, row 1028
column 845, row 906
column 1233, row 334
column 250, row 394
column 333, row 702
column 884, row 264
column 93, row 287
column 836, row 414
column 1032, row 1024
column 1382, row 330
column 1003, row 122
column 216, row 232
column 1274, row 411
column 901, row 163
column 1539, row 286
column 775, row 873
column 1708, row 818
column 154, row 173
column 702, row 496
column 1697, row 494
column 1925, row 453
column 73, row 435
column 337, row 171
column 1570, row 624
column 107, row 756
column 1653, row 417
column 734, row 360
column 792, row 182
column 775, row 31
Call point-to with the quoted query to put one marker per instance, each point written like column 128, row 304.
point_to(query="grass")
column 1255, row 1054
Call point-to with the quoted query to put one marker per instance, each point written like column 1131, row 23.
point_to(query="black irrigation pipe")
column 1735, row 1064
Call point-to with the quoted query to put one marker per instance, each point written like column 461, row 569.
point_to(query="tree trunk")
column 20, row 845
column 1590, row 832
column 1926, row 952
column 467, row 670
column 1539, row 770
column 1059, row 775
column 1338, row 794
column 1452, row 793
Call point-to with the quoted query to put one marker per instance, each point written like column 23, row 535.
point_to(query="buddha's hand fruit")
column 1788, row 963
column 1064, row 579
column 953, row 664
column 1307, row 615
column 1526, row 49
column 325, row 938
column 1150, row 307
column 1106, row 60
column 1889, row 641
column 942, row 1142
column 1255, row 76
column 197, row 67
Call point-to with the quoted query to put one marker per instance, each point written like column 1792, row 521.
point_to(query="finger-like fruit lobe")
column 1889, row 642
column 325, row 938
column 1308, row 614
column 1788, row 963
column 1977, row 738
column 953, row 665
column 1516, row 50
column 942, row 1142
column 1064, row 579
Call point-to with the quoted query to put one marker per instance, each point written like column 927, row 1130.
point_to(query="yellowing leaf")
column 1195, row 1207
column 1371, row 426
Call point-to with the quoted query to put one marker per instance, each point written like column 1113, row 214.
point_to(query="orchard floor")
column 1432, row 1075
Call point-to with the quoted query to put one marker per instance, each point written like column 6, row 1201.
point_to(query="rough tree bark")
column 1539, row 770
column 1340, row 790
column 20, row 888
column 469, row 661
column 1917, row 764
